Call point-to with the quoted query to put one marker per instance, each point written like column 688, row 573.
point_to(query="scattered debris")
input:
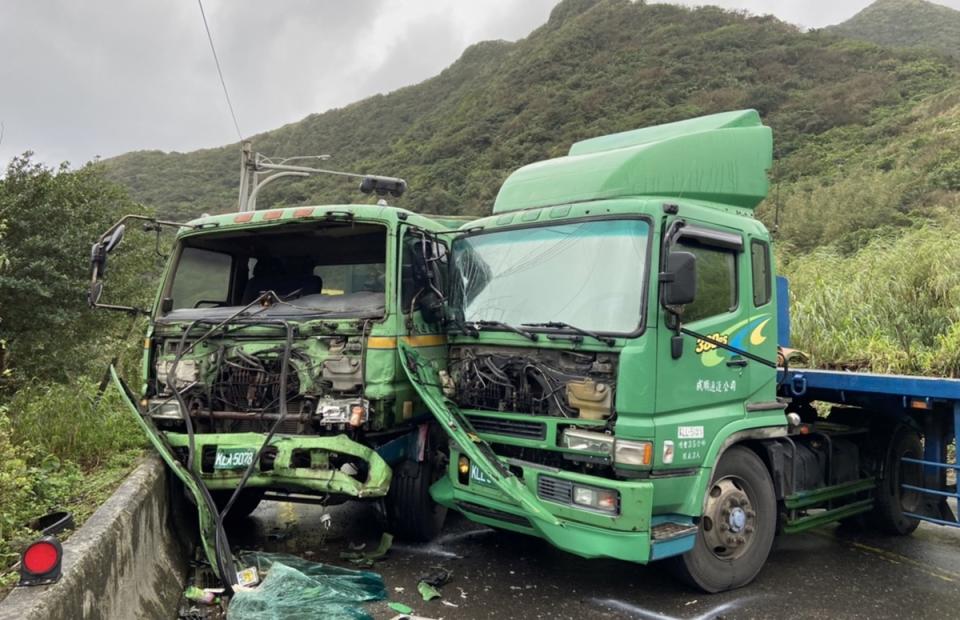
column 398, row 588
column 463, row 593
column 248, row 577
column 427, row 591
column 448, row 603
column 202, row 596
column 437, row 577
column 326, row 520
column 296, row 588
column 400, row 608
column 367, row 558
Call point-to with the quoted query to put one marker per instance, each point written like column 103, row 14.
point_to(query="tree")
column 49, row 220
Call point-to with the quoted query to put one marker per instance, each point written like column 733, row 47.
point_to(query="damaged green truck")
column 603, row 353
column 270, row 368
column 617, row 380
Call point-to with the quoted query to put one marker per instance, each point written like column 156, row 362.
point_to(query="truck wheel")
column 737, row 527
column 892, row 501
column 244, row 505
column 411, row 512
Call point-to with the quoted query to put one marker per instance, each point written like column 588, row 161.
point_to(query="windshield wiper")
column 583, row 332
column 479, row 325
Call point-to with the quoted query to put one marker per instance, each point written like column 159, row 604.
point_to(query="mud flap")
column 208, row 526
column 426, row 381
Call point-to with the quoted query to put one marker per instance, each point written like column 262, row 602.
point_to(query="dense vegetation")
column 60, row 447
column 905, row 23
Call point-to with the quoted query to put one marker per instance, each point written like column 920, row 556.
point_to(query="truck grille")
column 511, row 428
column 555, row 489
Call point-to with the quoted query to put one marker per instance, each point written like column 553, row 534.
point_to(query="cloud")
column 82, row 79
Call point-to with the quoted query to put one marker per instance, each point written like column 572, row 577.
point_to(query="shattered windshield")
column 589, row 274
column 334, row 269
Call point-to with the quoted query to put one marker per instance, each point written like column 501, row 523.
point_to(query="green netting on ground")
column 297, row 588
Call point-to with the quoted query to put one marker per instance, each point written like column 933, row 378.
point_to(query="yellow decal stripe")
column 390, row 342
column 426, row 340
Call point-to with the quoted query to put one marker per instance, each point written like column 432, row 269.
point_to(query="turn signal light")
column 40, row 562
column 463, row 470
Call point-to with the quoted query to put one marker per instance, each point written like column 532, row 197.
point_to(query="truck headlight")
column 634, row 453
column 587, row 441
column 165, row 409
column 606, row 500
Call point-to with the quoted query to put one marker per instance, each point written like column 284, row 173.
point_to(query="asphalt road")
column 827, row 573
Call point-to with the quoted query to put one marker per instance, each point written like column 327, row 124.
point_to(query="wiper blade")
column 480, row 325
column 583, row 332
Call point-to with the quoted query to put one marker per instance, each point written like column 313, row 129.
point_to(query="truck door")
column 704, row 387
column 422, row 267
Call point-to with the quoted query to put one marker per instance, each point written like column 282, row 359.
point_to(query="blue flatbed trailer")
column 930, row 405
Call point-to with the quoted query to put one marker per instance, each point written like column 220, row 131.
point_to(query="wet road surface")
column 828, row 573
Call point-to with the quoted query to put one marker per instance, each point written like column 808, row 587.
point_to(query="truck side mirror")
column 115, row 239
column 679, row 278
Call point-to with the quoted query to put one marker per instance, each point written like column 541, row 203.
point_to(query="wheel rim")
column 729, row 521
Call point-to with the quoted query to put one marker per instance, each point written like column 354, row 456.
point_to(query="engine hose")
column 222, row 553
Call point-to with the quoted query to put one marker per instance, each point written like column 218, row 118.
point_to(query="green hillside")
column 595, row 67
column 906, row 23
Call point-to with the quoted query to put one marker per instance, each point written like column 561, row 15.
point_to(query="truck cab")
column 580, row 408
column 270, row 362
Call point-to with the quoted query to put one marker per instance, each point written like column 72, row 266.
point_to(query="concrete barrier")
column 127, row 561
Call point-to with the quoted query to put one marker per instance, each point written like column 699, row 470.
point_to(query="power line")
column 216, row 60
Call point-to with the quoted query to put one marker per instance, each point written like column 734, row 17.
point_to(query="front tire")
column 411, row 512
column 243, row 507
column 737, row 527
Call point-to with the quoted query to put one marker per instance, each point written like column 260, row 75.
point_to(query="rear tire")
column 892, row 501
column 411, row 512
column 737, row 527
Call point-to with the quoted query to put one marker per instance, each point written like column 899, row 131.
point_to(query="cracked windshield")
column 554, row 273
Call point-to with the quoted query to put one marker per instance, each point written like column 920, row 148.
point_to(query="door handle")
column 737, row 362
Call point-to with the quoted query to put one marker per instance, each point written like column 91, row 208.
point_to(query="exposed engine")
column 567, row 384
column 237, row 387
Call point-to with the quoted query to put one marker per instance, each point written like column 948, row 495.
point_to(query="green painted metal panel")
column 721, row 158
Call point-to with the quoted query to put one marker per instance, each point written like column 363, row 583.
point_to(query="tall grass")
column 893, row 306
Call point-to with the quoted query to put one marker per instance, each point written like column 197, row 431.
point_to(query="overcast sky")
column 102, row 77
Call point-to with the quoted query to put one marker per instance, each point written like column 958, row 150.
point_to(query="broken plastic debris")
column 199, row 595
column 427, row 591
column 400, row 608
column 437, row 577
column 398, row 588
column 449, row 604
column 326, row 520
column 248, row 577
column 369, row 557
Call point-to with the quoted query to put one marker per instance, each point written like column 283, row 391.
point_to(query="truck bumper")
column 294, row 464
column 634, row 535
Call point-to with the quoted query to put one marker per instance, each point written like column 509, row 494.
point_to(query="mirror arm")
column 149, row 220
column 126, row 309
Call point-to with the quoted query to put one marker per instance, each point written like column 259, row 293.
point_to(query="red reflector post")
column 40, row 562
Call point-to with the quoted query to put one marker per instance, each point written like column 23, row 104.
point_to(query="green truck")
column 270, row 366
column 612, row 382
